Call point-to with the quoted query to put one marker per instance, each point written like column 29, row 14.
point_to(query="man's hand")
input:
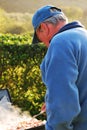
column 43, row 107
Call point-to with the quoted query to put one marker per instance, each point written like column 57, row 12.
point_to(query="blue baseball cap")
column 41, row 15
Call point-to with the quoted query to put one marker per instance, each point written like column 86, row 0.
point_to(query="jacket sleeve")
column 60, row 72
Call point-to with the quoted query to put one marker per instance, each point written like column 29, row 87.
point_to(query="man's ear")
column 44, row 28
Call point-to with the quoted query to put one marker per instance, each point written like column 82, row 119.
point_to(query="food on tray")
column 30, row 124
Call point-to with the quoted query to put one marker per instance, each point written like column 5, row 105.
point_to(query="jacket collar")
column 71, row 25
column 68, row 26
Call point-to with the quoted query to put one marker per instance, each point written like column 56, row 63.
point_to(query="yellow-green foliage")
column 20, row 23
column 20, row 72
column 73, row 13
column 3, row 20
column 15, row 23
column 15, row 39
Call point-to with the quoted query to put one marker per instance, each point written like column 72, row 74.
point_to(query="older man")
column 64, row 68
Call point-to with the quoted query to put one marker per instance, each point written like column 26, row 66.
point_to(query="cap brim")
column 35, row 39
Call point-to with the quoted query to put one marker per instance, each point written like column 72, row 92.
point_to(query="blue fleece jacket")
column 64, row 72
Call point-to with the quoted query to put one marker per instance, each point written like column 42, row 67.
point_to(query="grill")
column 5, row 92
column 42, row 127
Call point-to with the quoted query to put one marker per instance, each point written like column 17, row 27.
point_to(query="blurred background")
column 16, row 15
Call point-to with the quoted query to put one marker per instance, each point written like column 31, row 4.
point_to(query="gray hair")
column 56, row 19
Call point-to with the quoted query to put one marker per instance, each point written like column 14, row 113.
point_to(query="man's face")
column 42, row 32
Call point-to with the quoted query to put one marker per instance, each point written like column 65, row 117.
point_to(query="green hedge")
column 20, row 73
